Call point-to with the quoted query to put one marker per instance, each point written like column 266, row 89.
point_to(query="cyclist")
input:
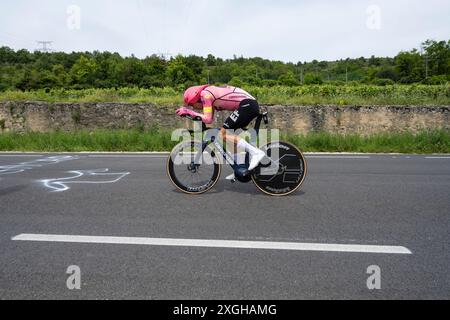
column 245, row 109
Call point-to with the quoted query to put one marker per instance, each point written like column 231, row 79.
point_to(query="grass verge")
column 436, row 141
column 425, row 142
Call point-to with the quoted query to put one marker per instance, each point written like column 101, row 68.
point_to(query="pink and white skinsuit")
column 229, row 98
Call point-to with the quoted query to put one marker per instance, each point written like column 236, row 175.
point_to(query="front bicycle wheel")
column 284, row 170
column 191, row 170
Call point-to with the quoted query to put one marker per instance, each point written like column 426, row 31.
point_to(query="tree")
column 288, row 79
column 155, row 70
column 195, row 63
column 311, row 78
column 388, row 73
column 210, row 60
column 236, row 82
column 437, row 55
column 26, row 70
column 179, row 73
column 7, row 55
column 83, row 72
column 60, row 76
column 374, row 61
column 410, row 66
column 131, row 71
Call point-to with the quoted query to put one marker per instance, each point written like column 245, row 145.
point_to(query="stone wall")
column 42, row 117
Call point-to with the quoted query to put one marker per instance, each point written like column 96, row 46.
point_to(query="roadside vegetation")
column 425, row 142
column 357, row 94
column 415, row 77
column 437, row 141
column 23, row 70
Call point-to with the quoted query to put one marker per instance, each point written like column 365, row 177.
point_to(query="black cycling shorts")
column 248, row 110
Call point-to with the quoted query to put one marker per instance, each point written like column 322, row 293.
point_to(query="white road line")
column 215, row 243
column 437, row 157
column 163, row 157
column 127, row 156
column 337, row 157
column 21, row 155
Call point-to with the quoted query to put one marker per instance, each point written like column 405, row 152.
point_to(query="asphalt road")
column 364, row 200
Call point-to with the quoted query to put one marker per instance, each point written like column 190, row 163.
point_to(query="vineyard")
column 299, row 95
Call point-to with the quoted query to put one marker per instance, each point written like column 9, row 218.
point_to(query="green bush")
column 237, row 82
column 288, row 80
column 437, row 80
column 313, row 79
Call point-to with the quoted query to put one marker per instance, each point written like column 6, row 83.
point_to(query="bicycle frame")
column 225, row 154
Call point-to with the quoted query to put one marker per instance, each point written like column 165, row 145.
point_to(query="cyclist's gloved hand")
column 186, row 112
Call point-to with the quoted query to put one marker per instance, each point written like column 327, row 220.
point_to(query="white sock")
column 236, row 158
column 242, row 144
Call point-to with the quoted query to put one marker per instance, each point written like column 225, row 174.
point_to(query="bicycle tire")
column 170, row 168
column 296, row 170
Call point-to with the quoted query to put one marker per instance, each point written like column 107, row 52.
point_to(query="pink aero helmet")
column 192, row 95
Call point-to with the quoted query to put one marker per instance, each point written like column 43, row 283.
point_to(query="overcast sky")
column 287, row 30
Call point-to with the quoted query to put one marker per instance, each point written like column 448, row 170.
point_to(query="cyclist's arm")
column 207, row 106
column 208, row 109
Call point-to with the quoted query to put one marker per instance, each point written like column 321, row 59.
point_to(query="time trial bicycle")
column 194, row 167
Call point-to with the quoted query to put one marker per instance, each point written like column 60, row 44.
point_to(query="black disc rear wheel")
column 283, row 172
